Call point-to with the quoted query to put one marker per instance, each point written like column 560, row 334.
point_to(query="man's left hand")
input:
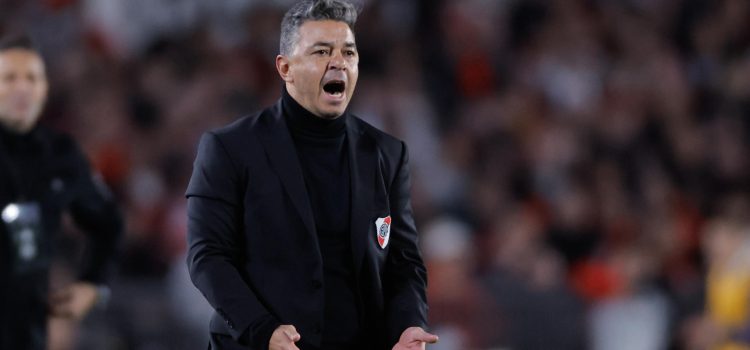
column 74, row 301
column 415, row 338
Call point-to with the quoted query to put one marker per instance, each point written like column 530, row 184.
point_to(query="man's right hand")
column 283, row 338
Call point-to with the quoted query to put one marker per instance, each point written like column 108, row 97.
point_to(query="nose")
column 337, row 62
column 24, row 85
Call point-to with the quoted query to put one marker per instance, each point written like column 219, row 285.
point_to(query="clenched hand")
column 283, row 338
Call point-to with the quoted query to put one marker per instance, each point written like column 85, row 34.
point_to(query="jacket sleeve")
column 406, row 276
column 94, row 210
column 215, row 226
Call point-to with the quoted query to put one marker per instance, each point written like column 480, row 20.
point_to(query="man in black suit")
column 43, row 174
column 300, row 225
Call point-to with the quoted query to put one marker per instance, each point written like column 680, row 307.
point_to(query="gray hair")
column 313, row 10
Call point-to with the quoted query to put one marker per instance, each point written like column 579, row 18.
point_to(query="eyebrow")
column 348, row 44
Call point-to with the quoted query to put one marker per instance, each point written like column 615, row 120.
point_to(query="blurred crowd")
column 580, row 169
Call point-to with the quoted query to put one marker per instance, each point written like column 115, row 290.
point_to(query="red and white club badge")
column 383, row 230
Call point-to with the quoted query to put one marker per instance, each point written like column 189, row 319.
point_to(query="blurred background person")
column 463, row 309
column 636, row 314
column 44, row 175
column 725, row 324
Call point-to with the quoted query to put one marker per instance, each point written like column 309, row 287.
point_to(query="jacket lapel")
column 283, row 158
column 363, row 166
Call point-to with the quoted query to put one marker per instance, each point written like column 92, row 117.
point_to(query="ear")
column 282, row 66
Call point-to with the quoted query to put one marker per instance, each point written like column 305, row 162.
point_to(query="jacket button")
column 316, row 284
column 229, row 324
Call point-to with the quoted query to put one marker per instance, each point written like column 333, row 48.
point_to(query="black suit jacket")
column 253, row 248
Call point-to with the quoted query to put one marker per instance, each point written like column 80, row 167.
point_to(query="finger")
column 431, row 338
column 82, row 304
column 292, row 335
column 291, row 332
column 421, row 335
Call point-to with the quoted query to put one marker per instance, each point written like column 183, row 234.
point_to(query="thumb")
column 292, row 334
column 421, row 335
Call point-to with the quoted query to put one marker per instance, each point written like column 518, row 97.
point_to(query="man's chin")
column 18, row 126
column 332, row 114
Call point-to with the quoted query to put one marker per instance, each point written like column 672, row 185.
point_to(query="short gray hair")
column 313, row 10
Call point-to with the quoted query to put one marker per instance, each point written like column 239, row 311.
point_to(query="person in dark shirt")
column 42, row 175
column 300, row 227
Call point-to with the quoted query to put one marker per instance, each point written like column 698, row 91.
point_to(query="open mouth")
column 335, row 88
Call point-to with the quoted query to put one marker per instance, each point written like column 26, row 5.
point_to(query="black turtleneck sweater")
column 321, row 146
